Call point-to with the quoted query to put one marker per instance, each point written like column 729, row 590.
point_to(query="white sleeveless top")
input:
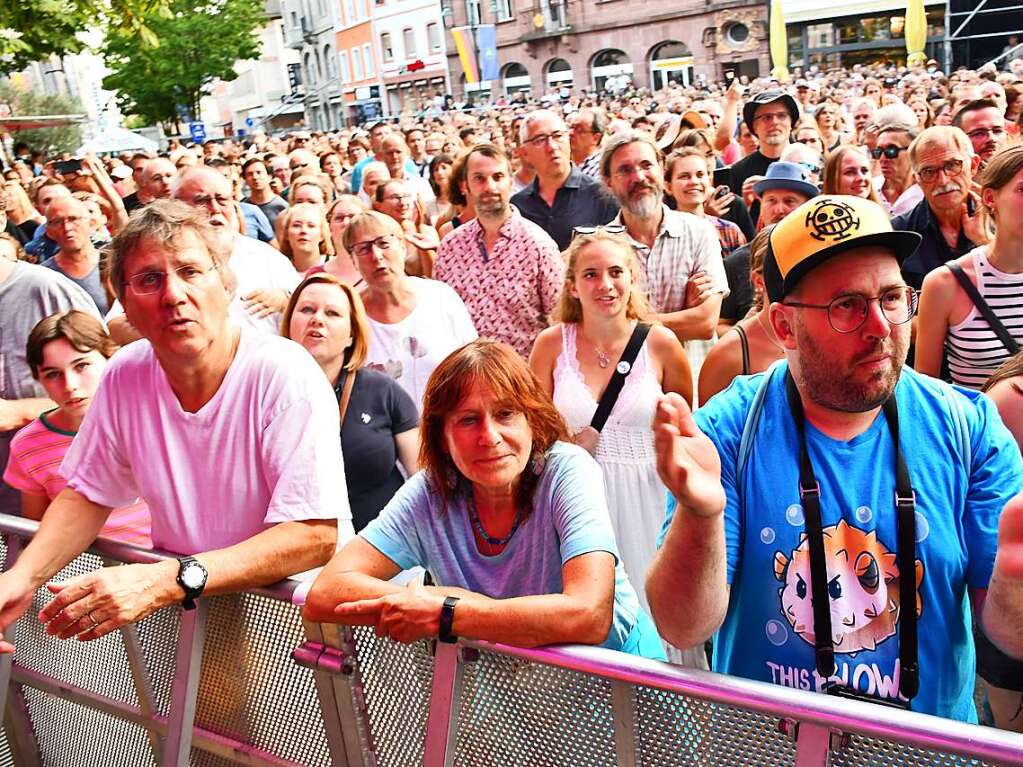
column 627, row 437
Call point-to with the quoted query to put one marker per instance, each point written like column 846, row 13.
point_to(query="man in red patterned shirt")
column 507, row 270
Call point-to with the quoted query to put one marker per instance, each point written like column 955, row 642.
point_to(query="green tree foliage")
column 66, row 138
column 199, row 42
column 31, row 30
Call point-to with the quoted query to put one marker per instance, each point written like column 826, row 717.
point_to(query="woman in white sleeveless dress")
column 574, row 360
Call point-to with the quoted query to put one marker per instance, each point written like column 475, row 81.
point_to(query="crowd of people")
column 660, row 372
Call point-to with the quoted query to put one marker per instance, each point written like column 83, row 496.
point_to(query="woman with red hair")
column 509, row 519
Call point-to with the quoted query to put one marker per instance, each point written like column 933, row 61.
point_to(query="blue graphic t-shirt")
column 767, row 633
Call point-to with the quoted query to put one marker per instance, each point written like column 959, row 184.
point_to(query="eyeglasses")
column 221, row 201
column 982, row 133
column 950, row 168
column 810, row 167
column 891, row 151
column 147, row 283
column 538, row 141
column 384, row 242
column 579, row 231
column 297, row 165
column 396, row 198
column 847, row 313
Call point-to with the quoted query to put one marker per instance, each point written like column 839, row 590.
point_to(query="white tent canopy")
column 118, row 140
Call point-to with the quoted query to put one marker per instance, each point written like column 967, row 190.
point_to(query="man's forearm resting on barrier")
column 99, row 602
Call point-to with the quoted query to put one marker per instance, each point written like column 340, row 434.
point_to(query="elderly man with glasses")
column 948, row 217
column 198, row 392
column 561, row 197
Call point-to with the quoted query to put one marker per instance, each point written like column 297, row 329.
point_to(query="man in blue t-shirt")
column 742, row 539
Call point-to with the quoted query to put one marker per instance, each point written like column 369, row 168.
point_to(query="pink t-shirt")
column 33, row 467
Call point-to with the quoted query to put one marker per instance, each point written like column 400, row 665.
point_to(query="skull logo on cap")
column 832, row 219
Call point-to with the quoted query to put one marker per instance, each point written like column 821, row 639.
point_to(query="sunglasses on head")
column 579, row 231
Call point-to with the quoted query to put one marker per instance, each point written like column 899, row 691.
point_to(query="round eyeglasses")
column 847, row 313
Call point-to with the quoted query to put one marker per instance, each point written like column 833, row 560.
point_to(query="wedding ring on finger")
column 92, row 618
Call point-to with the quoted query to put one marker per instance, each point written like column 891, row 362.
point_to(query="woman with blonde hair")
column 847, row 171
column 305, row 236
column 828, row 119
column 19, row 209
column 342, row 265
column 377, row 420
column 606, row 369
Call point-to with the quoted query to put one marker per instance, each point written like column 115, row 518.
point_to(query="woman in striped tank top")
column 950, row 323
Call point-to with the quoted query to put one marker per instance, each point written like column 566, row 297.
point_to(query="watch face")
column 193, row 576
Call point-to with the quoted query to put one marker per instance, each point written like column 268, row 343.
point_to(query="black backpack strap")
column 622, row 369
column 982, row 306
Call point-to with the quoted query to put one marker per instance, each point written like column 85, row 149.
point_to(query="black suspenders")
column 905, row 505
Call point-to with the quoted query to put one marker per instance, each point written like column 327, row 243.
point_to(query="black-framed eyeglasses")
column 951, row 168
column 579, row 231
column 147, row 283
column 384, row 242
column 848, row 312
column 891, row 151
column 538, row 141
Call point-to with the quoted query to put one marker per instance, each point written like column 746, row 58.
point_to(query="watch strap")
column 447, row 620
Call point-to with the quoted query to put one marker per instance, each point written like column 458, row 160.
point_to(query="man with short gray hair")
column 948, row 217
column 198, row 392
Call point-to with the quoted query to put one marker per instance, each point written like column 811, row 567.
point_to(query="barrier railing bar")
column 213, row 742
column 908, row 727
column 813, row 745
column 20, row 734
column 188, row 661
column 140, row 677
column 445, row 697
column 359, row 713
column 14, row 545
column 330, row 704
column 623, row 711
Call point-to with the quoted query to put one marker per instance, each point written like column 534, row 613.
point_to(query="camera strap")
column 905, row 506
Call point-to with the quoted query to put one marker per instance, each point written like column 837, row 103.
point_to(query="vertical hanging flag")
column 466, row 48
column 487, row 44
column 779, row 43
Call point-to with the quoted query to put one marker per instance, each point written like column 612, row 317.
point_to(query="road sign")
column 198, row 131
column 250, row 122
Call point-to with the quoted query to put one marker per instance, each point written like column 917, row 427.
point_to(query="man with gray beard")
column 678, row 253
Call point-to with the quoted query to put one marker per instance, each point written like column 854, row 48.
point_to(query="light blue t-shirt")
column 767, row 633
column 360, row 166
column 569, row 518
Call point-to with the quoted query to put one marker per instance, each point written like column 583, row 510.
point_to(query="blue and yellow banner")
column 487, row 44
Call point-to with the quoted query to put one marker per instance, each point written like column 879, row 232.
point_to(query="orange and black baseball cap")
column 824, row 227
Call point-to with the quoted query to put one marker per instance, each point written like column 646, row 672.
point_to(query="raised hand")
column 687, row 460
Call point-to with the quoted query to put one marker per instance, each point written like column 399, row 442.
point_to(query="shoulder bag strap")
column 982, row 306
column 622, row 369
column 346, row 393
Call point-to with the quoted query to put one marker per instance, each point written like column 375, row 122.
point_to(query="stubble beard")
column 643, row 206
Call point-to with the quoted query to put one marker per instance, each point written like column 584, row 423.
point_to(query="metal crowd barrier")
column 241, row 680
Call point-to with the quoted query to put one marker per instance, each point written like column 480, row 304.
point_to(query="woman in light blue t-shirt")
column 511, row 522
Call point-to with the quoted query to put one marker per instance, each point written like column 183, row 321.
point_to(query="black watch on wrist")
column 192, row 578
column 447, row 620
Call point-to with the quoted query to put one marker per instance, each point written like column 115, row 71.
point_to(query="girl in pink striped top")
column 67, row 353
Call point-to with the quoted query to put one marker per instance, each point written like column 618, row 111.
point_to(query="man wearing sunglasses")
column 835, row 519
column 948, row 217
column 899, row 193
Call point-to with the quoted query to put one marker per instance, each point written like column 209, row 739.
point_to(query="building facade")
column 358, row 62
column 598, row 44
column 310, row 27
column 413, row 62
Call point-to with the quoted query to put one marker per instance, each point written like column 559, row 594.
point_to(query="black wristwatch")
column 447, row 620
column 192, row 578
